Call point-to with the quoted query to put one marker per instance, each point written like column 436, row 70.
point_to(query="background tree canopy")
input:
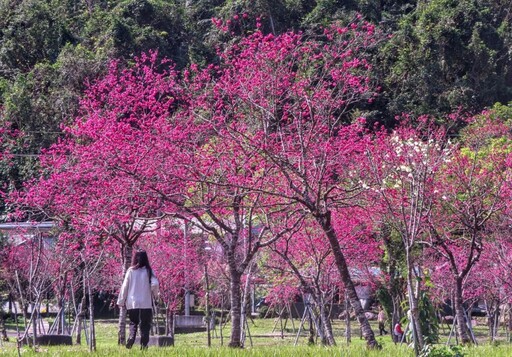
column 441, row 56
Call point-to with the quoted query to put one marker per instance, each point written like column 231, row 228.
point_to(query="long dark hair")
column 140, row 260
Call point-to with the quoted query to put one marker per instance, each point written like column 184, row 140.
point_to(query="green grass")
column 264, row 343
column 183, row 351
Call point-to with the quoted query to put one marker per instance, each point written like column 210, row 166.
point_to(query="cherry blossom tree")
column 471, row 192
column 403, row 167
column 87, row 178
column 470, row 198
column 25, row 277
column 223, row 201
column 306, row 256
column 36, row 268
column 133, row 156
column 498, row 258
column 285, row 98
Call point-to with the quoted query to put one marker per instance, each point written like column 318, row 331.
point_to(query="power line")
column 41, row 132
column 31, row 155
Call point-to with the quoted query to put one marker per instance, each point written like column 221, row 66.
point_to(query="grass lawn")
column 265, row 342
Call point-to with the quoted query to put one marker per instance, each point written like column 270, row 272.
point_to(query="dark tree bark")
column 462, row 327
column 341, row 264
column 236, row 305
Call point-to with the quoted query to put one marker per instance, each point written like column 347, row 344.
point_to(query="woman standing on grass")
column 139, row 287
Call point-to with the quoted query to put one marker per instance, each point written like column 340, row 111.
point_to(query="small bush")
column 441, row 351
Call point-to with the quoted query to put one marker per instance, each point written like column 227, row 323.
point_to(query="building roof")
column 27, row 226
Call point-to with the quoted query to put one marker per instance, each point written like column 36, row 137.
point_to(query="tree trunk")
column 80, row 318
column 169, row 322
column 414, row 312
column 311, row 337
column 341, row 264
column 34, row 323
column 493, row 319
column 61, row 304
column 127, row 256
column 207, row 305
column 325, row 321
column 316, row 294
column 396, row 285
column 509, row 324
column 221, row 320
column 92, row 330
column 245, row 303
column 236, row 305
column 3, row 329
column 348, row 328
column 81, row 313
column 462, row 327
column 24, row 307
column 496, row 321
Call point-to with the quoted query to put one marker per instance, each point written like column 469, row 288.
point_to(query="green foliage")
column 49, row 50
column 427, row 317
column 30, row 33
column 385, row 300
column 39, row 101
column 441, row 351
column 394, row 266
column 501, row 111
column 489, row 133
column 394, row 254
column 277, row 16
column 142, row 25
column 448, row 54
column 383, row 12
column 325, row 11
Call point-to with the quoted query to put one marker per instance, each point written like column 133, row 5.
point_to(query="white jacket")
column 136, row 290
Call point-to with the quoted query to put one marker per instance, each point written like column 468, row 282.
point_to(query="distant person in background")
column 139, row 287
column 381, row 319
column 398, row 332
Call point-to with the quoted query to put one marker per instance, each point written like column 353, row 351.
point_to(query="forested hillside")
column 437, row 57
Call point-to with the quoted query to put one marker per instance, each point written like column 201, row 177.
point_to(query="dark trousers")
column 142, row 317
column 382, row 330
